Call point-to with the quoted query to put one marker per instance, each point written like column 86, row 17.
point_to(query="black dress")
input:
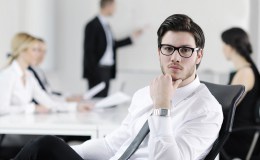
column 238, row 144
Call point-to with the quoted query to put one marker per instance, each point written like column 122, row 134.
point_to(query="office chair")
column 6, row 152
column 1, row 138
column 228, row 96
column 255, row 139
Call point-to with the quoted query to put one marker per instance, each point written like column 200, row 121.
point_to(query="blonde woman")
column 20, row 86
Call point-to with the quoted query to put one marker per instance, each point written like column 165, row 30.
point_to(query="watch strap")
column 162, row 112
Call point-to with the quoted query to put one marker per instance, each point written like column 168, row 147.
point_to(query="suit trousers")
column 101, row 74
column 47, row 147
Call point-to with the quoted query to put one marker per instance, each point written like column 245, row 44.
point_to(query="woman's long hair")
column 238, row 39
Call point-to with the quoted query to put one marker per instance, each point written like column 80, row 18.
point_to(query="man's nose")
column 175, row 56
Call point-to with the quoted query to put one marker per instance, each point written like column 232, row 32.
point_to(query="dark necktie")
column 39, row 80
column 37, row 77
column 136, row 142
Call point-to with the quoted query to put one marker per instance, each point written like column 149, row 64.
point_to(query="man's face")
column 42, row 52
column 175, row 65
column 111, row 7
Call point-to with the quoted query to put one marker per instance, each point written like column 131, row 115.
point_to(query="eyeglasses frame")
column 177, row 48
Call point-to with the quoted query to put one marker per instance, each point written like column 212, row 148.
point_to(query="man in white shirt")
column 40, row 76
column 183, row 116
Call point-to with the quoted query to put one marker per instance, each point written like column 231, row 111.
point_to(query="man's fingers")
column 177, row 83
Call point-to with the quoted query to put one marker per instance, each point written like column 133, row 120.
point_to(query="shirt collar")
column 185, row 91
column 17, row 68
column 103, row 20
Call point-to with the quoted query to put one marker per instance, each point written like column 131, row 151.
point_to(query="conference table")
column 96, row 123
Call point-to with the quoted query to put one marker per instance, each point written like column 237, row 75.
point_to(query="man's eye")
column 185, row 50
column 168, row 49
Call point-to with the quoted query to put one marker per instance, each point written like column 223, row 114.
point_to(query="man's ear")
column 199, row 56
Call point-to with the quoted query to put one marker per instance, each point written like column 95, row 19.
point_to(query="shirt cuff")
column 132, row 39
column 160, row 126
column 30, row 108
column 65, row 107
column 71, row 106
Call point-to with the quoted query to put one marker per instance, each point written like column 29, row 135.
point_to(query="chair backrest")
column 257, row 112
column 228, row 96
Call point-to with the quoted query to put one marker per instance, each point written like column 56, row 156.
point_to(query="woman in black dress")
column 237, row 49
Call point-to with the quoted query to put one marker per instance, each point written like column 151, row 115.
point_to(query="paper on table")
column 94, row 90
column 113, row 100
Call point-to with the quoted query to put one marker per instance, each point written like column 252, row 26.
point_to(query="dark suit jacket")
column 94, row 48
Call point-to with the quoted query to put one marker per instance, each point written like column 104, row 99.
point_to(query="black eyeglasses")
column 185, row 52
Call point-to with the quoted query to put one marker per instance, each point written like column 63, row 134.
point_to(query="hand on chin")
column 175, row 78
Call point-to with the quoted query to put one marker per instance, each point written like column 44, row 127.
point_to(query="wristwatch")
column 162, row 112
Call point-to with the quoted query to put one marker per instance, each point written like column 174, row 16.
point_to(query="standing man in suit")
column 100, row 48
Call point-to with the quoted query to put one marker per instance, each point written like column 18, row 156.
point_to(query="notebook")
column 94, row 90
column 113, row 100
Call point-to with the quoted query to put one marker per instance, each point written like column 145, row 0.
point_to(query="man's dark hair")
column 183, row 23
column 103, row 3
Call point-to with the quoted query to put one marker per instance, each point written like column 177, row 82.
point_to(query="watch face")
column 164, row 112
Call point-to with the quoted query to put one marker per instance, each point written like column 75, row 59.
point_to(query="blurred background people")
column 237, row 49
column 40, row 76
column 100, row 48
column 19, row 88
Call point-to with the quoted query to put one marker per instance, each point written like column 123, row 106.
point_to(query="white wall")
column 254, row 30
column 212, row 16
column 9, row 20
column 71, row 18
column 33, row 16
column 67, row 18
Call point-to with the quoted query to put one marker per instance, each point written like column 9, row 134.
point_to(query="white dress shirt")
column 47, row 86
column 16, row 97
column 188, row 134
column 43, row 79
column 107, row 59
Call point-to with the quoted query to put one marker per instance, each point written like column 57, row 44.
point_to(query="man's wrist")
column 162, row 112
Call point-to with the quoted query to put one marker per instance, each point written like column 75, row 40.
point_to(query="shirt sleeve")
column 108, row 145
column 93, row 149
column 188, row 143
column 119, row 136
column 43, row 98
